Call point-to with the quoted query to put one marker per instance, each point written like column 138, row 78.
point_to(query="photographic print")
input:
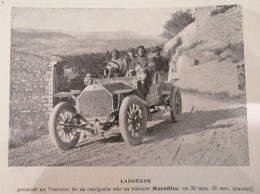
column 128, row 87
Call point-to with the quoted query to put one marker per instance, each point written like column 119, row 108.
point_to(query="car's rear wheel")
column 132, row 120
column 61, row 126
column 175, row 103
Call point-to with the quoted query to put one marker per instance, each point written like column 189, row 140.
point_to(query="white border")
column 13, row 177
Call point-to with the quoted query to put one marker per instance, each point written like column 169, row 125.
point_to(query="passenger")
column 141, row 63
column 158, row 66
column 131, row 53
column 142, row 60
column 121, row 70
column 131, row 61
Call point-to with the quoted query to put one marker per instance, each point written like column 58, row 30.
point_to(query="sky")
column 142, row 21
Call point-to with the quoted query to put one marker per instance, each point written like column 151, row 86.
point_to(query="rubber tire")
column 123, row 116
column 176, row 117
column 53, row 131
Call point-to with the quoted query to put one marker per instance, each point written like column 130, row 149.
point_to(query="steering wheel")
column 110, row 68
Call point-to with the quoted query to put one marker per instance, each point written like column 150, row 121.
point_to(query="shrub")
column 222, row 9
column 196, row 62
column 173, row 49
column 218, row 51
column 196, row 43
column 236, row 48
column 177, row 23
column 241, row 77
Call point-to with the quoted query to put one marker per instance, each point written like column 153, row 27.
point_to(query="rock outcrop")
column 210, row 53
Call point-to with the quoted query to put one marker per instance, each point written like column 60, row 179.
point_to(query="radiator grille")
column 98, row 103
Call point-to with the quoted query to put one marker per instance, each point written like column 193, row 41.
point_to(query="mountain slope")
column 44, row 42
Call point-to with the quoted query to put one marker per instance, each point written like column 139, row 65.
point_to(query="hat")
column 131, row 49
column 141, row 46
column 115, row 50
column 155, row 49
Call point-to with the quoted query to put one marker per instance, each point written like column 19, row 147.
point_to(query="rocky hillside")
column 208, row 54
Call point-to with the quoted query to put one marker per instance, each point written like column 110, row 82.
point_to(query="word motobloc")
column 165, row 188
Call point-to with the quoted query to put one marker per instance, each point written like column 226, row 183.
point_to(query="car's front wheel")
column 61, row 126
column 132, row 120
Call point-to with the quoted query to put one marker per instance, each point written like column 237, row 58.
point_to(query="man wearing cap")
column 121, row 69
column 131, row 53
column 131, row 58
column 131, row 61
column 158, row 66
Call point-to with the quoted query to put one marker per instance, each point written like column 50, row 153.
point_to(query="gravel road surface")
column 211, row 133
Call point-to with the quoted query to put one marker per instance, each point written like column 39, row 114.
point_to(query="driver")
column 121, row 70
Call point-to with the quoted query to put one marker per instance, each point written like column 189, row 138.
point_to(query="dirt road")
column 211, row 133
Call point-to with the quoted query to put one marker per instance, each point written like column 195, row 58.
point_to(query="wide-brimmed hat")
column 155, row 49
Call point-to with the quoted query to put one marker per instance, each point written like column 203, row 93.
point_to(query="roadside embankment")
column 208, row 55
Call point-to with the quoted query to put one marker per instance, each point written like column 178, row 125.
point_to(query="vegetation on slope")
column 209, row 53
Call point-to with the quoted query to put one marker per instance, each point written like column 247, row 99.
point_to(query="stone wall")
column 31, row 92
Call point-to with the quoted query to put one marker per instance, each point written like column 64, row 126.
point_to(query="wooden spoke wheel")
column 61, row 125
column 175, row 103
column 132, row 120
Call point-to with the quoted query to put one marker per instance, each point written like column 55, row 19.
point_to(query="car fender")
column 71, row 95
column 142, row 99
column 63, row 95
column 167, row 87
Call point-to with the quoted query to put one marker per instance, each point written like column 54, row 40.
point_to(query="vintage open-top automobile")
column 109, row 103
